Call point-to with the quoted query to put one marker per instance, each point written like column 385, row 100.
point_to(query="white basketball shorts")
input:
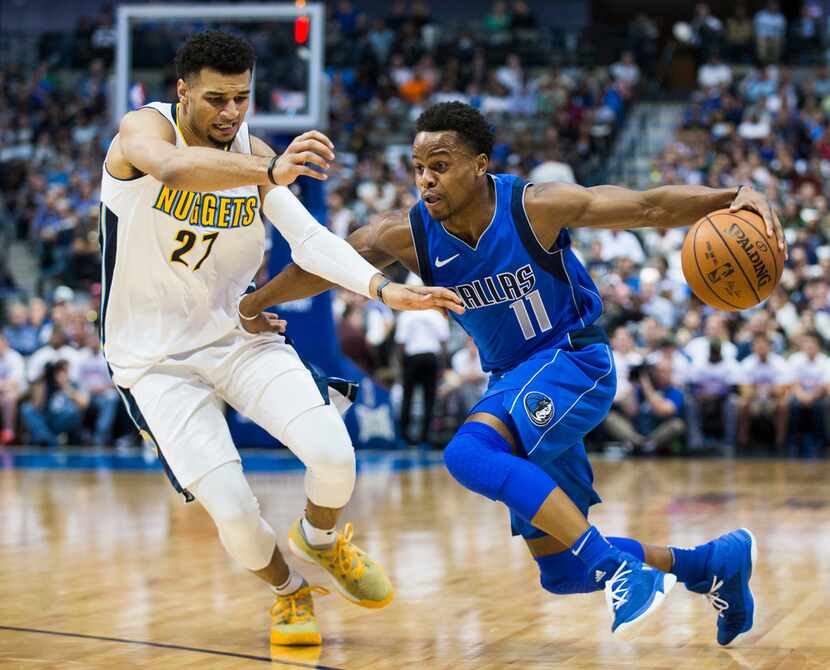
column 180, row 399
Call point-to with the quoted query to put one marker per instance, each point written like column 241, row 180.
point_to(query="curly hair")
column 467, row 121
column 216, row 50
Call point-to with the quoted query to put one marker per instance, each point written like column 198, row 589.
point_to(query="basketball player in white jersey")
column 183, row 185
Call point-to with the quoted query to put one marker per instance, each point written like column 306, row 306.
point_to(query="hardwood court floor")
column 117, row 555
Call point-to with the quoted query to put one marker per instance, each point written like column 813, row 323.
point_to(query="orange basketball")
column 728, row 260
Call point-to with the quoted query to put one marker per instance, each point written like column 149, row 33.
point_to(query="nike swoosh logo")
column 441, row 263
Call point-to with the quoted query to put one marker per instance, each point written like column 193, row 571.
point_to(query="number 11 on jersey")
column 539, row 311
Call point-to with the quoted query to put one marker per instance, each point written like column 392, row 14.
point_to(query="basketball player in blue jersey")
column 503, row 246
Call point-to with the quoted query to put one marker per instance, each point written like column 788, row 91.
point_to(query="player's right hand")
column 403, row 297
column 265, row 322
column 312, row 147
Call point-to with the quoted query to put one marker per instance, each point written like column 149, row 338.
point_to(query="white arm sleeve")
column 313, row 247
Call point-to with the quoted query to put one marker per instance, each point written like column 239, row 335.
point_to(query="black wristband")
column 379, row 290
column 270, row 169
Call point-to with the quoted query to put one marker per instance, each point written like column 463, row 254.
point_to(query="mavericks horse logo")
column 539, row 408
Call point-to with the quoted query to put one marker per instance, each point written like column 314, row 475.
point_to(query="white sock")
column 295, row 581
column 315, row 536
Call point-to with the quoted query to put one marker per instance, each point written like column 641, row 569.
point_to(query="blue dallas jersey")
column 520, row 298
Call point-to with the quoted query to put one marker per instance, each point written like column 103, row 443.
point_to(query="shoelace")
column 345, row 555
column 292, row 611
column 618, row 584
column 714, row 596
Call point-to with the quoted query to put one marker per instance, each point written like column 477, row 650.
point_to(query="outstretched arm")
column 294, row 283
column 146, row 142
column 381, row 242
column 571, row 206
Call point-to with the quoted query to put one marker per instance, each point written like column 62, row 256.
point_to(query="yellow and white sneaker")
column 292, row 618
column 355, row 576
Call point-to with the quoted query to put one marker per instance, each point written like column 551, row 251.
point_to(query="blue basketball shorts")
column 550, row 402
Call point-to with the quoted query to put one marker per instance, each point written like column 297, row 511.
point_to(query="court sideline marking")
column 163, row 645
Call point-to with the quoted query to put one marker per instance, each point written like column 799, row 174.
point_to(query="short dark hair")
column 467, row 121
column 216, row 50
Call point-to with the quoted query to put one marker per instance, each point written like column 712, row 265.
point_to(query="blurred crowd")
column 688, row 378
column 763, row 370
column 766, row 35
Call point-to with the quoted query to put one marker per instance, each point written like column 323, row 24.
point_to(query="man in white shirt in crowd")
column 715, row 329
column 626, row 70
column 12, row 384
column 763, row 380
column 422, row 344
column 626, row 357
column 810, row 371
column 621, row 244
column 680, row 363
column 714, row 73
column 57, row 348
column 94, row 380
column 464, row 382
column 711, row 408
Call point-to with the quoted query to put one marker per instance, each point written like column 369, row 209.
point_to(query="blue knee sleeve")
column 564, row 574
column 628, row 545
column 481, row 460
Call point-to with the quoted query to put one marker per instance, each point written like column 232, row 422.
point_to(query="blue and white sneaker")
column 726, row 585
column 634, row 591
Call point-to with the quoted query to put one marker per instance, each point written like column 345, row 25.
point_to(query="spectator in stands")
column 714, row 72
column 85, row 253
column 422, row 351
column 810, row 370
column 57, row 348
column 381, row 38
column 54, row 413
column 94, row 381
column 18, row 332
column 39, row 318
column 763, row 380
column 417, row 89
column 510, row 75
column 621, row 244
column 12, row 386
column 770, row 33
column 626, row 357
column 707, row 29
column 655, row 304
column 712, row 410
column 680, row 363
column 351, row 333
column 805, row 40
column 497, row 23
column 523, row 24
column 739, row 35
column 715, row 331
column 463, row 382
column 625, row 70
column 651, row 417
column 643, row 34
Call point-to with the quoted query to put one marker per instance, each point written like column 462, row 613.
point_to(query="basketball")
column 729, row 262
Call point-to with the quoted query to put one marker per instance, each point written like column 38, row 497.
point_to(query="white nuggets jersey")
column 174, row 263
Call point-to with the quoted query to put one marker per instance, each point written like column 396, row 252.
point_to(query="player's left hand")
column 403, row 297
column 265, row 322
column 750, row 199
column 311, row 148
